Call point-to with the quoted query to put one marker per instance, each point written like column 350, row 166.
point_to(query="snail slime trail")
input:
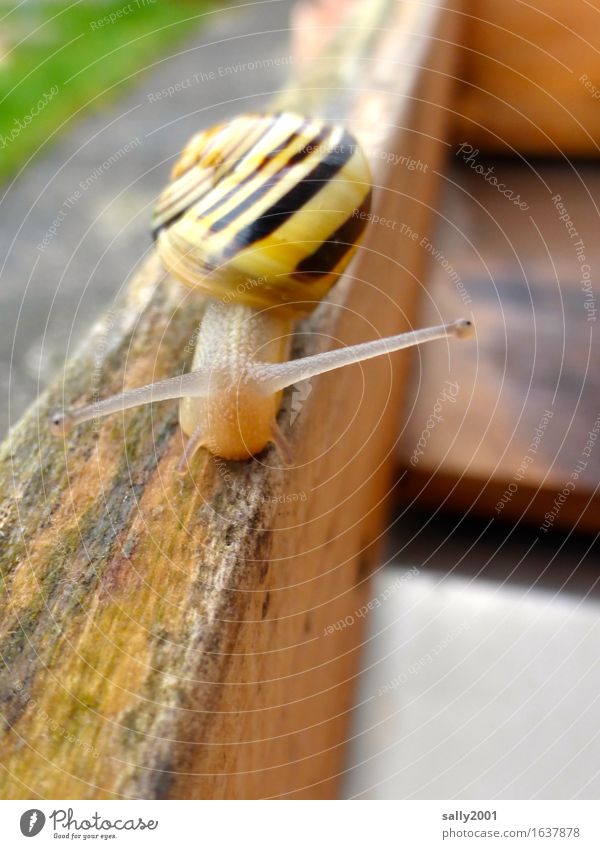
column 262, row 214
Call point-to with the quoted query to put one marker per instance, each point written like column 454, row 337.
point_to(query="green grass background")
column 52, row 44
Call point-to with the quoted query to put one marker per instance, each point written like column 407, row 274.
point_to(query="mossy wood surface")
column 166, row 637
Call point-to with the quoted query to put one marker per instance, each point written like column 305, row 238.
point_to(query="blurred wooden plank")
column 171, row 639
column 522, row 425
column 530, row 77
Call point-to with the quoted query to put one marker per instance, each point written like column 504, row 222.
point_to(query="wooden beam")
column 530, row 77
column 516, row 438
column 180, row 638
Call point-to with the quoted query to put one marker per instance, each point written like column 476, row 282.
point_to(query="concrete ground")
column 475, row 684
column 481, row 674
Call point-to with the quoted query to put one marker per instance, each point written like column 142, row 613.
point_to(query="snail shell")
column 264, row 210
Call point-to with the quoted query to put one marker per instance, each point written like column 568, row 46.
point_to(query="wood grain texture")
column 523, row 423
column 530, row 76
column 169, row 638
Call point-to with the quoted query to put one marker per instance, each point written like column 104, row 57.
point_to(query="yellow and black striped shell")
column 264, row 209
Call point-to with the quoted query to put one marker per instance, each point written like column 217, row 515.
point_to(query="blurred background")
column 480, row 670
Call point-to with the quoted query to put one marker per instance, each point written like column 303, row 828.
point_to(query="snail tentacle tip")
column 61, row 423
column 464, row 328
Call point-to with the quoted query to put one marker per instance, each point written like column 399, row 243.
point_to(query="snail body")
column 235, row 419
column 263, row 213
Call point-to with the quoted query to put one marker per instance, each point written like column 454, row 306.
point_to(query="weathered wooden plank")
column 170, row 638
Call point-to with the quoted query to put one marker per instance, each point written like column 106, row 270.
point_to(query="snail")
column 262, row 214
